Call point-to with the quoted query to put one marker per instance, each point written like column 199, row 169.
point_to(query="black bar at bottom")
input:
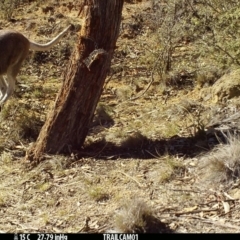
column 58, row 236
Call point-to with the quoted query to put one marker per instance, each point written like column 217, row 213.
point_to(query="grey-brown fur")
column 14, row 48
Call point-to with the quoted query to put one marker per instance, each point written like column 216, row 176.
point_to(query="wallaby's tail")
column 44, row 47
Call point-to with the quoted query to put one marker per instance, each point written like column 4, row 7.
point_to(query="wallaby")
column 14, row 48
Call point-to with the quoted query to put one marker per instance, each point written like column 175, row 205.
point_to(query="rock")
column 227, row 87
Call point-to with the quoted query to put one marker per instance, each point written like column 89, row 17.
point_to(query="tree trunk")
column 68, row 122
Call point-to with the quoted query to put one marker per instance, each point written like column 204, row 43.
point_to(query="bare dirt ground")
column 139, row 168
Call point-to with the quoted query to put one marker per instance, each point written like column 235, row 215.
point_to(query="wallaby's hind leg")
column 12, row 73
column 11, row 80
column 10, row 88
column 3, row 88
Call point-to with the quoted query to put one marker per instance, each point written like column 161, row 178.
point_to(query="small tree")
column 68, row 122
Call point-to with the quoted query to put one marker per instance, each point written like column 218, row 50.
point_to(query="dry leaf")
column 190, row 209
column 226, row 207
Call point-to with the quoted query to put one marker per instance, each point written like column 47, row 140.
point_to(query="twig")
column 151, row 81
column 225, row 225
column 138, row 183
column 148, row 86
column 183, row 190
column 194, row 211
column 227, row 53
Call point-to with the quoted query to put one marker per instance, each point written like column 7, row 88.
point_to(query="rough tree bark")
column 68, row 122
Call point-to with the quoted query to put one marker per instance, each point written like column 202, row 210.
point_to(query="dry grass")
column 98, row 194
column 222, row 164
column 135, row 216
column 22, row 119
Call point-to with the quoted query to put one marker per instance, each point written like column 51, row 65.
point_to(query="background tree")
column 68, row 122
